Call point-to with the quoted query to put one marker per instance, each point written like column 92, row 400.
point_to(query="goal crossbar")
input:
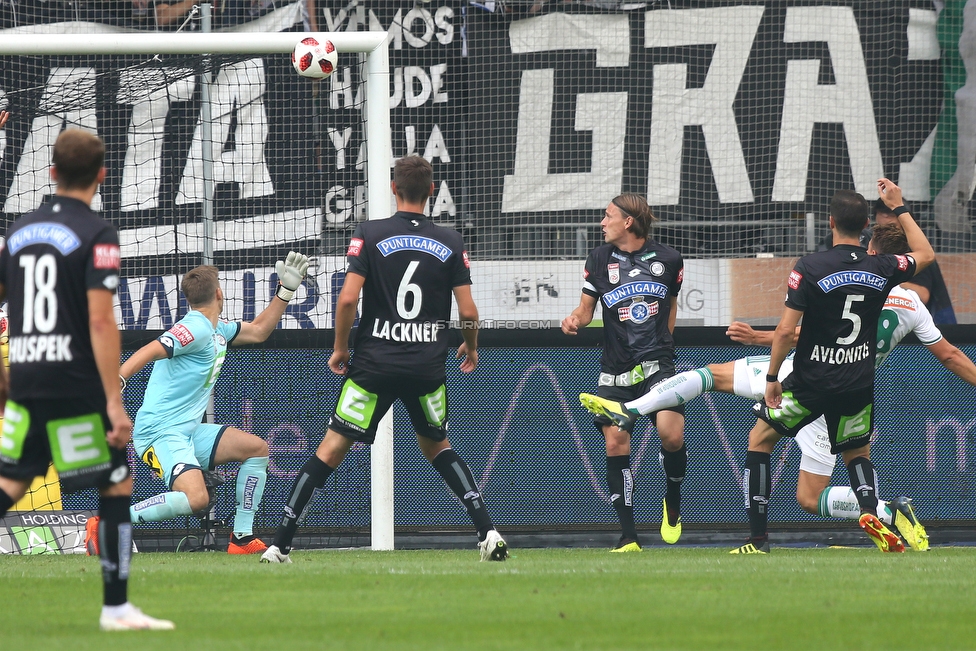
column 378, row 147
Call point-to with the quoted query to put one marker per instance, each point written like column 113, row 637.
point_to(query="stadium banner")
column 528, row 294
column 44, row 532
column 541, row 462
column 714, row 110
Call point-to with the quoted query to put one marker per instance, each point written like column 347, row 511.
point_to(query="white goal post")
column 378, row 148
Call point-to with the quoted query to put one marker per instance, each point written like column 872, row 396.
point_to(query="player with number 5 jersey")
column 407, row 269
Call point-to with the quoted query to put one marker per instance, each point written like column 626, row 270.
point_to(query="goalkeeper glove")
column 290, row 272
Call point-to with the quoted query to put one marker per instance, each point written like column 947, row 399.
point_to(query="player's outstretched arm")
column 581, row 316
column 782, row 343
column 151, row 352
column 955, row 360
column 744, row 333
column 468, row 315
column 107, row 347
column 921, row 249
column 291, row 272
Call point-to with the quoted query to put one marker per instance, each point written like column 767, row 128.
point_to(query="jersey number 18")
column 40, row 299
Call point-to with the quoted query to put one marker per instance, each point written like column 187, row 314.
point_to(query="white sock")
column 839, row 502
column 885, row 514
column 116, row 611
column 673, row 391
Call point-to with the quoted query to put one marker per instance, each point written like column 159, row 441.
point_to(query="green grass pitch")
column 670, row 598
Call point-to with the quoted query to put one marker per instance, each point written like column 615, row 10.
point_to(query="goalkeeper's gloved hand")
column 290, row 272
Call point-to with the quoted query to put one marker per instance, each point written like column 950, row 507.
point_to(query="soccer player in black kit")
column 842, row 292
column 59, row 270
column 407, row 269
column 637, row 279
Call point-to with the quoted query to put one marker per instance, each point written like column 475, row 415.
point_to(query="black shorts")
column 85, row 416
column 626, row 394
column 366, row 396
column 849, row 416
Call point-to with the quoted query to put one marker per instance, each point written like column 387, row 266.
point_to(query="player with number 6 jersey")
column 407, row 270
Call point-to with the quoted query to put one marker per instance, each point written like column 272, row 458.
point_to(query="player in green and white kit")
column 903, row 313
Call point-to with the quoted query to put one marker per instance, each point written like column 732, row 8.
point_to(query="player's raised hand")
column 469, row 358
column 4, row 116
column 291, row 271
column 339, row 362
column 742, row 333
column 890, row 193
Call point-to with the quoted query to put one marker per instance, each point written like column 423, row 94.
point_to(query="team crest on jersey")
column 182, row 334
column 107, row 256
column 657, row 268
column 613, row 272
column 355, row 247
column 902, row 262
column 795, row 278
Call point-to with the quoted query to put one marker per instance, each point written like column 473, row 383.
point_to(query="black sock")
column 864, row 481
column 621, row 483
column 458, row 477
column 312, row 475
column 5, row 503
column 756, row 485
column 674, row 465
column 115, row 545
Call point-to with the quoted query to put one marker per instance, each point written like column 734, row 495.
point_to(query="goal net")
column 245, row 193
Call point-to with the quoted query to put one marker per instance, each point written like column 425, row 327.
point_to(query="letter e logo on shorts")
column 356, row 405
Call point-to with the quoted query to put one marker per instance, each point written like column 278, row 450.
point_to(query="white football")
column 314, row 59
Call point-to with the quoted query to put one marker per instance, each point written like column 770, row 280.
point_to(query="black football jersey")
column 635, row 290
column 841, row 293
column 51, row 258
column 411, row 268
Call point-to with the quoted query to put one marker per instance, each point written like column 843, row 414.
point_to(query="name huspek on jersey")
column 414, row 243
column 40, row 348
column 399, row 331
column 829, row 355
column 845, row 278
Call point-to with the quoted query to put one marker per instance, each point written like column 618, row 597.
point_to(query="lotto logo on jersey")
column 182, row 334
column 902, row 262
column 355, row 246
column 794, row 281
column 464, row 258
column 107, row 256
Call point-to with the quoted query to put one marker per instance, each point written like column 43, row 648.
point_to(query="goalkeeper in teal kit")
column 169, row 435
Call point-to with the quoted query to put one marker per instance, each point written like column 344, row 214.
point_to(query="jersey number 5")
column 40, row 300
column 853, row 318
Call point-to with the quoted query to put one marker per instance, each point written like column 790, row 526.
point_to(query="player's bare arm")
column 468, row 314
column 923, row 292
column 151, row 352
column 744, row 333
column 346, row 306
column 291, row 272
column 107, row 348
column 921, row 249
column 4, row 116
column 955, row 360
column 581, row 316
column 783, row 339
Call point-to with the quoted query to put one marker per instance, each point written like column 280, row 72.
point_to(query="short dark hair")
column 634, row 205
column 881, row 208
column 200, row 285
column 889, row 238
column 413, row 176
column 78, row 156
column 850, row 212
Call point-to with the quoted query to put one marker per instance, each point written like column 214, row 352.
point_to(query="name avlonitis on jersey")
column 40, row 348
column 426, row 332
column 840, row 355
